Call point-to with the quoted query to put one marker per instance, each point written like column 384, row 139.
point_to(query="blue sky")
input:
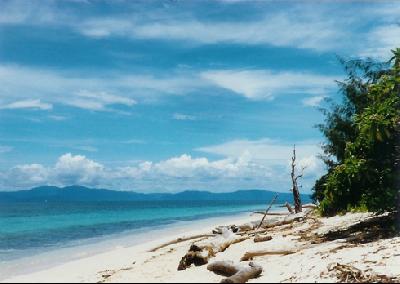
column 173, row 95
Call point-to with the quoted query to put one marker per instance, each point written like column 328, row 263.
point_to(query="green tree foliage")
column 362, row 133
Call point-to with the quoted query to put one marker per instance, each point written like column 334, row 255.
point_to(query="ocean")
column 29, row 228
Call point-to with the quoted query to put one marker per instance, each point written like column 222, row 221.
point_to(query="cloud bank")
column 39, row 89
column 245, row 164
column 317, row 27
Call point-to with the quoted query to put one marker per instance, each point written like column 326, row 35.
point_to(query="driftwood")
column 251, row 254
column 270, row 213
column 309, row 205
column 246, row 227
column 267, row 226
column 200, row 253
column 287, row 220
column 180, row 240
column 269, row 207
column 219, row 230
column 259, row 239
column 236, row 273
column 290, row 209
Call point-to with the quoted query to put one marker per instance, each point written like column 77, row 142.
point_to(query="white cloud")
column 311, row 164
column 28, row 104
column 98, row 100
column 26, row 175
column 77, row 169
column 186, row 166
column 265, row 84
column 271, row 151
column 181, row 116
column 279, row 29
column 319, row 27
column 313, row 101
column 69, row 170
column 275, row 156
column 381, row 40
column 22, row 87
column 105, row 27
column 22, row 12
column 244, row 164
column 174, row 174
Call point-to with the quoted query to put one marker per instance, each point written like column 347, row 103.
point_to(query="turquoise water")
column 38, row 225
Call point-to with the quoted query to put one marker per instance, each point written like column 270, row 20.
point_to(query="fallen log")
column 246, row 227
column 235, row 273
column 251, row 228
column 267, row 227
column 251, row 254
column 309, row 205
column 290, row 209
column 259, row 239
column 305, row 206
column 271, row 213
column 180, row 240
column 200, row 253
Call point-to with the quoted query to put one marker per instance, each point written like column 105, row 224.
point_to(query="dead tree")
column 295, row 187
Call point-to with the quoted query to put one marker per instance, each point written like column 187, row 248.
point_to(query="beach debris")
column 269, row 207
column 219, row 230
column 246, row 227
column 105, row 274
column 235, row 273
column 309, row 205
column 251, row 254
column 270, row 213
column 199, row 253
column 251, row 228
column 181, row 240
column 349, row 274
column 259, row 239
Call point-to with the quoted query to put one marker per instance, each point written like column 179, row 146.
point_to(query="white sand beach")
column 312, row 260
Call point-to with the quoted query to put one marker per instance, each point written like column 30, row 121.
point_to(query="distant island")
column 81, row 193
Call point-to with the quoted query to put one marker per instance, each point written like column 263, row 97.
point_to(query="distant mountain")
column 82, row 194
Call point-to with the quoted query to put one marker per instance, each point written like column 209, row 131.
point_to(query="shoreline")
column 320, row 250
column 137, row 241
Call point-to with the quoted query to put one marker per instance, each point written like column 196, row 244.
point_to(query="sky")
column 165, row 96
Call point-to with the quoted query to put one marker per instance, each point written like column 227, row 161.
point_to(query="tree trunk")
column 289, row 208
column 398, row 209
column 295, row 188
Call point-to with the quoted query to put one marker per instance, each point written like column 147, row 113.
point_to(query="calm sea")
column 35, row 227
